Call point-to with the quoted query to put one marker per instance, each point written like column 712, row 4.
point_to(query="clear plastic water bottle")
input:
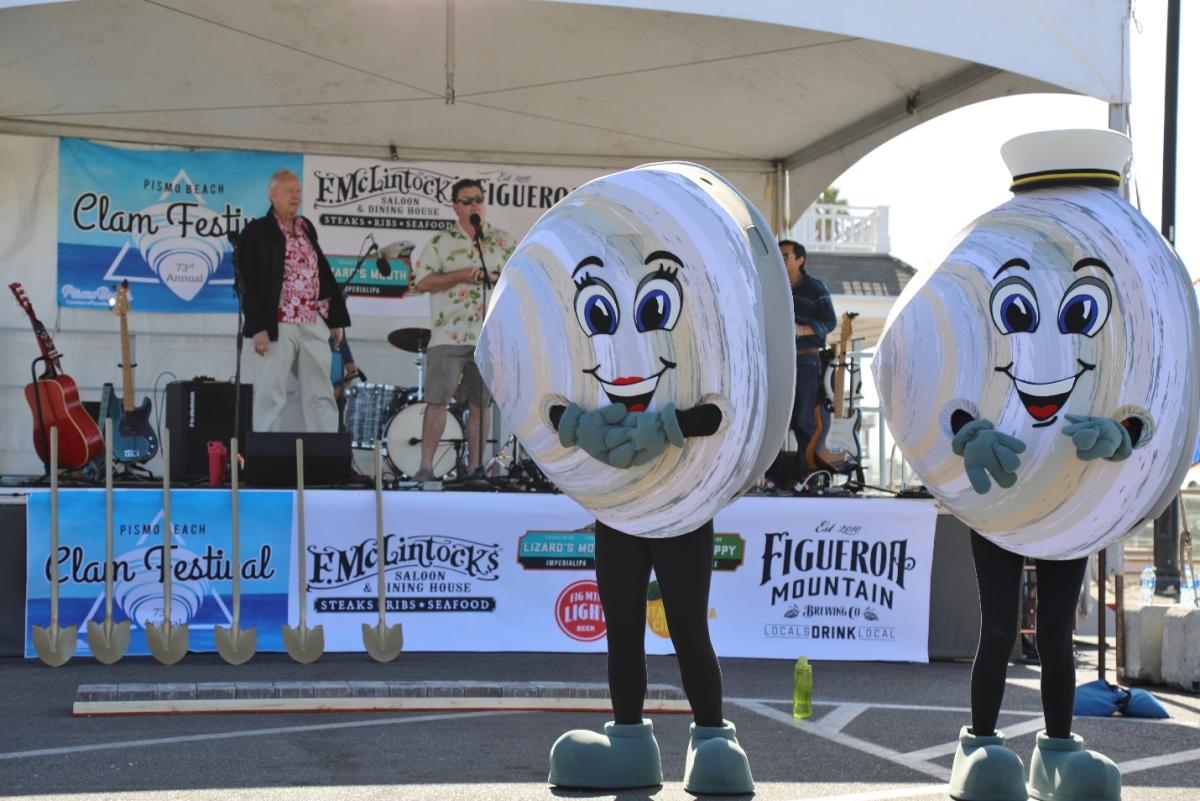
column 1187, row 587
column 1149, row 577
column 802, row 689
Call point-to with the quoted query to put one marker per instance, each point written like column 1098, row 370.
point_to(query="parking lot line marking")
column 1010, row 732
column 1162, row 761
column 840, row 716
column 886, row 793
column 192, row 738
column 928, row 768
column 881, row 705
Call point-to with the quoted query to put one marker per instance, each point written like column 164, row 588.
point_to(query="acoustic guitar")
column 134, row 440
column 54, row 400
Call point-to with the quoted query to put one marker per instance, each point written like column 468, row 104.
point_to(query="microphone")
column 477, row 223
column 381, row 263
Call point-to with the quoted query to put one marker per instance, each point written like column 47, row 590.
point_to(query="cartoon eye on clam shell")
column 1063, row 302
column 652, row 287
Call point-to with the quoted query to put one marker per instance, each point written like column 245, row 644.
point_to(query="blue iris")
column 1078, row 315
column 1018, row 314
column 600, row 315
column 653, row 311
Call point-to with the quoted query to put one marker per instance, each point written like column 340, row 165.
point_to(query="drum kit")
column 394, row 416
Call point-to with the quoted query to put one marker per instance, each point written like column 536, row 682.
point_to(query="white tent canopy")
column 744, row 87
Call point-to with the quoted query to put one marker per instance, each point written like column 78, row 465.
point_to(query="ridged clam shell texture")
column 730, row 343
column 1092, row 258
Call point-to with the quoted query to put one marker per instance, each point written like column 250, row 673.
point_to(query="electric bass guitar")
column 134, row 440
column 842, row 438
column 54, row 401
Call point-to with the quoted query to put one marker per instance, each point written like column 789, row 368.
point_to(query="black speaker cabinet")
column 271, row 458
column 199, row 411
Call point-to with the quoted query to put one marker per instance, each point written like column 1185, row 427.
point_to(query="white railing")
column 830, row 228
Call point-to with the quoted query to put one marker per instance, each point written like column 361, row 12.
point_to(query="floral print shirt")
column 298, row 299
column 457, row 312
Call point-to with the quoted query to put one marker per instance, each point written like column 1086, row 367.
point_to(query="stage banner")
column 201, row 569
column 828, row 579
column 157, row 218
column 844, row 579
column 404, row 204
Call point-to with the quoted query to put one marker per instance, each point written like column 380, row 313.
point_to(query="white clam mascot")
column 640, row 345
column 1042, row 383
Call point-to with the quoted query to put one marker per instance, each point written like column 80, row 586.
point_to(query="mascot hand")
column 1098, row 438
column 568, row 426
column 599, row 432
column 985, row 450
column 649, row 433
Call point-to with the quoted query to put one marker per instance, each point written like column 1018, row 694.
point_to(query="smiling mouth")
column 633, row 391
column 1043, row 401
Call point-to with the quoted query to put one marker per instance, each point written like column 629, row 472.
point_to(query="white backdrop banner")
column 404, row 204
column 828, row 579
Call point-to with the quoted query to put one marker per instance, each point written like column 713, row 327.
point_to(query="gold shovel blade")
column 383, row 642
column 168, row 643
column 55, row 645
column 108, row 641
column 235, row 645
column 304, row 644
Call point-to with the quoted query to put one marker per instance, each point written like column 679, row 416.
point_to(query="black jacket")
column 260, row 256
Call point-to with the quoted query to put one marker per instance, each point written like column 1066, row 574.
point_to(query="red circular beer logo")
column 579, row 613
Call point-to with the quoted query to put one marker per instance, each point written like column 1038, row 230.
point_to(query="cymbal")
column 415, row 340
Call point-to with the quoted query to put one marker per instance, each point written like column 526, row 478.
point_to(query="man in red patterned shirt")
column 293, row 305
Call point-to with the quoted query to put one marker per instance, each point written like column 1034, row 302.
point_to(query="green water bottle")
column 802, row 689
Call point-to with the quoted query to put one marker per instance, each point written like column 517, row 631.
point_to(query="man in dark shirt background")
column 815, row 318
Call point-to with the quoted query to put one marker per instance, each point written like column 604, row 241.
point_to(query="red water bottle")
column 217, row 454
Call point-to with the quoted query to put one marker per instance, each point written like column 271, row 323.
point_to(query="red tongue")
column 636, row 407
column 1043, row 412
column 630, row 379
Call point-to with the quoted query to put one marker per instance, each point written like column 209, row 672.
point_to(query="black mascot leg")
column 622, row 575
column 1059, row 583
column 683, row 566
column 998, row 573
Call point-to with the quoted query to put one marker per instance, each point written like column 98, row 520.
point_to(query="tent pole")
column 449, row 53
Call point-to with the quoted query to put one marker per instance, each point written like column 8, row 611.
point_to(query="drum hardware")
column 402, row 436
column 413, row 340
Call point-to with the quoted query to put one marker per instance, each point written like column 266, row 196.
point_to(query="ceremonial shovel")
column 108, row 640
column 168, row 642
column 235, row 645
column 303, row 644
column 54, row 645
column 383, row 642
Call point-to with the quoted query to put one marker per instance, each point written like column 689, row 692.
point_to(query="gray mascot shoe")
column 1063, row 770
column 716, row 764
column 626, row 755
column 985, row 770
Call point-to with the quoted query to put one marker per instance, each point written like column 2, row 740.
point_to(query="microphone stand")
column 339, row 350
column 484, row 290
column 234, row 240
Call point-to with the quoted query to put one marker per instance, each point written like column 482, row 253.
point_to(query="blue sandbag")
column 1100, row 699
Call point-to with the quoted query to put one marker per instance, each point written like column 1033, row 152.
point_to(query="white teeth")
column 632, row 390
column 1061, row 387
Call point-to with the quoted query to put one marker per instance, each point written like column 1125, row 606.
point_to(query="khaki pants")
column 303, row 350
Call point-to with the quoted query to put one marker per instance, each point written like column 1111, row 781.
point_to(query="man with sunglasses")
column 449, row 270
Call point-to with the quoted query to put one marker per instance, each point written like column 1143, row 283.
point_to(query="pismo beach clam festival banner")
column 823, row 578
column 160, row 219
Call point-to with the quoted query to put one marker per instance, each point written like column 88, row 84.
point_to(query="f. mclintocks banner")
column 202, row 563
column 157, row 218
column 828, row 579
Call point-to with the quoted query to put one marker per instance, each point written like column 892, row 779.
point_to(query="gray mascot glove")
column 649, row 433
column 597, row 432
column 1098, row 438
column 985, row 450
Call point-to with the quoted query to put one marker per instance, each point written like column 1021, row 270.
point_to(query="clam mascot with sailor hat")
column 1042, row 383
column 639, row 343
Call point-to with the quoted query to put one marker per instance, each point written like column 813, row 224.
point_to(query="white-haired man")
column 292, row 306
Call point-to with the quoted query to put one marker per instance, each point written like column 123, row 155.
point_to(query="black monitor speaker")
column 271, row 458
column 198, row 412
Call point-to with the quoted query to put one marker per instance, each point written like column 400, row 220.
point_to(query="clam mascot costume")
column 640, row 345
column 1042, row 383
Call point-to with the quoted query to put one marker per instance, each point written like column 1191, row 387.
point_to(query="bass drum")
column 403, row 438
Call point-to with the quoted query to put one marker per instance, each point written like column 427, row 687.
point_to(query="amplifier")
column 199, row 411
column 271, row 458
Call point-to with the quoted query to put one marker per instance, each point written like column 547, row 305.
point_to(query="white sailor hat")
column 1089, row 157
